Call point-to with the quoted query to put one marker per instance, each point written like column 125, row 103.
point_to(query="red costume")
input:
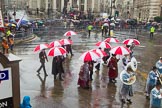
column 113, row 67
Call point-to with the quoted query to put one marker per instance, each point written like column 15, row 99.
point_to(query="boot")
column 60, row 77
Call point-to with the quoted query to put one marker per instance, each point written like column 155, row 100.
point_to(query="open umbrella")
column 113, row 40
column 55, row 44
column 130, row 41
column 103, row 44
column 40, row 47
column 70, row 33
column 89, row 56
column 99, row 51
column 120, row 50
column 56, row 51
column 66, row 41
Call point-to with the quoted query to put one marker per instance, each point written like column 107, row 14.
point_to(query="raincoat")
column 83, row 80
column 126, row 90
column 159, row 66
column 26, row 102
column 151, row 81
column 155, row 100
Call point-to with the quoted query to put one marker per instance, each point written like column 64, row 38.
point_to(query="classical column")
column 38, row 4
column 71, row 3
column 54, row 5
column 46, row 5
column 62, row 5
column 93, row 5
column 85, row 6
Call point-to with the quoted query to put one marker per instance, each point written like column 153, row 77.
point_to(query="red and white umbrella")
column 89, row 56
column 40, row 47
column 66, row 41
column 70, row 33
column 120, row 50
column 55, row 44
column 103, row 44
column 56, row 51
column 130, row 41
column 99, row 51
column 114, row 40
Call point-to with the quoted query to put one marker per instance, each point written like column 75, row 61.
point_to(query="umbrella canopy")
column 40, row 47
column 70, row 33
column 103, row 44
column 120, row 50
column 99, row 51
column 56, row 51
column 130, row 41
column 66, row 41
column 55, row 44
column 114, row 40
column 89, row 56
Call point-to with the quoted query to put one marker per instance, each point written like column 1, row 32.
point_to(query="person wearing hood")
column 26, row 102
column 159, row 65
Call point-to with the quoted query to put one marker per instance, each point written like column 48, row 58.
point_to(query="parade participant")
column 113, row 68
column 156, row 96
column 91, row 64
column 42, row 57
column 83, row 80
column 159, row 65
column 26, row 102
column 126, row 90
column 151, row 81
column 68, row 47
column 89, row 29
column 60, row 60
column 98, row 61
column 5, row 45
column 102, row 30
column 54, row 66
column 125, row 61
column 152, row 30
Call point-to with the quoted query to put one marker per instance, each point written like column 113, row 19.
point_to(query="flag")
column 19, row 22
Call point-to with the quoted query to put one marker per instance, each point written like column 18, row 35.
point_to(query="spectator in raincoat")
column 26, row 102
column 156, row 96
column 159, row 65
column 151, row 81
column 11, row 42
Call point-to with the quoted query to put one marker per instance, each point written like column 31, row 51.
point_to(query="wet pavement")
column 45, row 92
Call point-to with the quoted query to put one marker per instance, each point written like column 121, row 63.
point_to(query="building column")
column 71, row 3
column 38, row 4
column 62, row 5
column 54, row 5
column 93, row 5
column 46, row 5
column 85, row 6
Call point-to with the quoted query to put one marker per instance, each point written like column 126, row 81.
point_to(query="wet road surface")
column 45, row 92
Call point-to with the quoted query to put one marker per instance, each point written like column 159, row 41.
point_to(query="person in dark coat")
column 42, row 57
column 54, row 67
column 91, row 64
column 69, row 48
column 60, row 69
column 113, row 68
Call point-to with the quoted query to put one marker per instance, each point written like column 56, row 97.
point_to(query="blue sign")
column 4, row 75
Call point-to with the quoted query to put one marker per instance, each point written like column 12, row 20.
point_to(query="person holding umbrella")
column 42, row 57
column 113, row 68
column 68, row 47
